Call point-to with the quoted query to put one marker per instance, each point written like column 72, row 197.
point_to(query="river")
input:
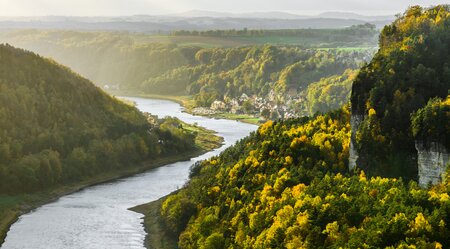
column 98, row 216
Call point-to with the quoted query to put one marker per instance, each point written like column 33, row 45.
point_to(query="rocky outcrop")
column 355, row 122
column 433, row 159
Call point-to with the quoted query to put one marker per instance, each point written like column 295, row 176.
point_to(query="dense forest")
column 220, row 73
column 57, row 127
column 412, row 66
column 129, row 63
column 327, row 94
column 288, row 184
column 432, row 123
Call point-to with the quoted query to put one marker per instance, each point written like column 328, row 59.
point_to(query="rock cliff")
column 433, row 159
column 355, row 122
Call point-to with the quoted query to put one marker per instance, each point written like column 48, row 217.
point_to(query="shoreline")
column 29, row 202
column 185, row 102
column 156, row 236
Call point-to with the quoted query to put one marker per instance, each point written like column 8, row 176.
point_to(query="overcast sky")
column 151, row 7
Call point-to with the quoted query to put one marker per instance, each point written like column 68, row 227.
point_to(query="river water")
column 98, row 217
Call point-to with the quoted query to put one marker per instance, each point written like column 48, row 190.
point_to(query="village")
column 273, row 107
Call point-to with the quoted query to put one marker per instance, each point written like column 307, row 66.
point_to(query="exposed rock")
column 355, row 122
column 433, row 159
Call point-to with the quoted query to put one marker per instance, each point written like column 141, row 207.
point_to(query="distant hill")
column 263, row 15
column 57, row 127
column 350, row 15
column 283, row 15
column 194, row 20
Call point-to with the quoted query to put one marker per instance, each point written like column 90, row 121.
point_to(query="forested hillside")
column 57, row 127
column 411, row 67
column 253, row 71
column 288, row 185
column 327, row 94
column 118, row 60
column 140, row 64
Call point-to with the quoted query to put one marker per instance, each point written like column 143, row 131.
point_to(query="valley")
column 231, row 130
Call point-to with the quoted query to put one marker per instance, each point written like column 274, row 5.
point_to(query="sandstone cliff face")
column 355, row 122
column 432, row 160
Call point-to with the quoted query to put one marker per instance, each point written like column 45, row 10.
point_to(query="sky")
column 157, row 7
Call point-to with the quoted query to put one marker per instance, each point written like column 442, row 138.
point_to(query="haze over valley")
column 224, row 124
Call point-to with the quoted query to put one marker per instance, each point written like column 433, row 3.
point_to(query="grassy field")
column 245, row 118
column 11, row 207
column 206, row 140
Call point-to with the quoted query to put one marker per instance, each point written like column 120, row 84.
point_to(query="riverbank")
column 245, row 118
column 189, row 107
column 11, row 207
column 184, row 100
column 157, row 236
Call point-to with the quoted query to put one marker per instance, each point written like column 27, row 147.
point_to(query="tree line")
column 365, row 32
